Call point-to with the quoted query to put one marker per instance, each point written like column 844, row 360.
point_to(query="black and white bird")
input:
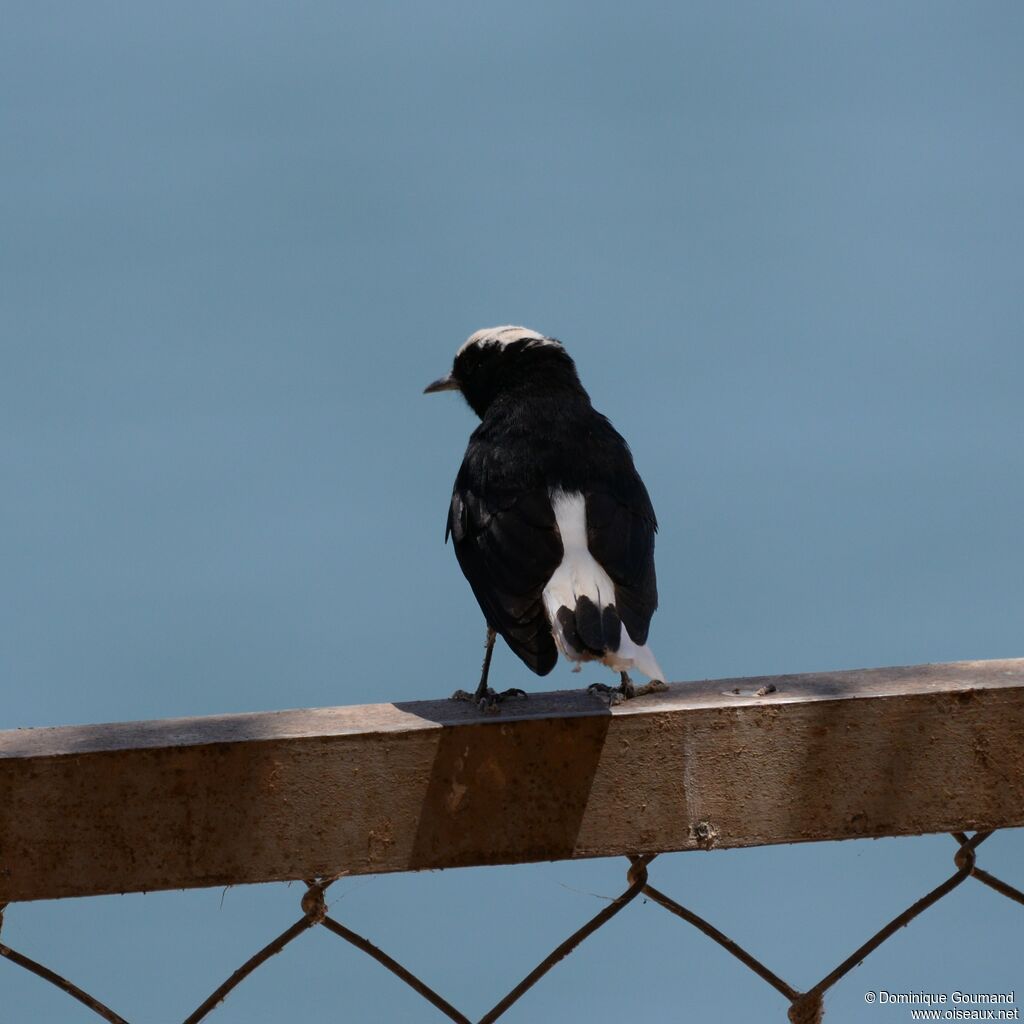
column 551, row 523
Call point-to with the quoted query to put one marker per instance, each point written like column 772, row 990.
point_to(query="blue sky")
column 784, row 245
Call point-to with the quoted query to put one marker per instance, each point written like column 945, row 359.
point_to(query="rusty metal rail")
column 916, row 748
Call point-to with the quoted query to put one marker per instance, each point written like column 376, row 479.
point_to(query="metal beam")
column 433, row 784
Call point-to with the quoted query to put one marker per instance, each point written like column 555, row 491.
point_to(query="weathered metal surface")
column 298, row 794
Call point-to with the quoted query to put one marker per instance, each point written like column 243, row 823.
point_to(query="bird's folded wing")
column 508, row 546
column 620, row 535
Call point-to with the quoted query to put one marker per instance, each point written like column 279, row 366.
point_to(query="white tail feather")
column 580, row 575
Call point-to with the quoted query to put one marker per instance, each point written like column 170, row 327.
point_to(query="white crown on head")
column 506, row 335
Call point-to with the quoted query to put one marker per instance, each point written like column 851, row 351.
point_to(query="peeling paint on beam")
column 231, row 799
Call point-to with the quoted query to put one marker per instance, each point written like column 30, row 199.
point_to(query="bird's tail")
column 588, row 633
column 589, row 629
column 580, row 600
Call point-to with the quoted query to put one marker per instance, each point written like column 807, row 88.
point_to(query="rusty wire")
column 396, row 968
column 44, row 972
column 981, row 875
column 805, row 1007
column 637, row 877
column 312, row 914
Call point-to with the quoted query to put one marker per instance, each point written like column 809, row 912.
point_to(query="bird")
column 551, row 524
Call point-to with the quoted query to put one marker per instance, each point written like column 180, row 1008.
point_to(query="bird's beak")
column 448, row 383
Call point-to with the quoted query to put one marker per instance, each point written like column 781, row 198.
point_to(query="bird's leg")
column 485, row 697
column 481, row 689
column 627, row 689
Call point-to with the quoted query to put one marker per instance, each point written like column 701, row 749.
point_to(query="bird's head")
column 503, row 360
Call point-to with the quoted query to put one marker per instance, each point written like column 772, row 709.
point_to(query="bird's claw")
column 627, row 690
column 490, row 699
column 613, row 694
column 654, row 686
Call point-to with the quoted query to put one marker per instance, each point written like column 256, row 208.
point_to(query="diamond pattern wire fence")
column 805, row 1006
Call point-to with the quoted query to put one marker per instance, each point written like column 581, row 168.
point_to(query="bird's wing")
column 620, row 535
column 508, row 546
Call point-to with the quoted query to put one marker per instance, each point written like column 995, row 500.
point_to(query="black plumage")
column 539, row 438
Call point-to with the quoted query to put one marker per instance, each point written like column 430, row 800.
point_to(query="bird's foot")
column 612, row 694
column 626, row 690
column 654, row 686
column 488, row 700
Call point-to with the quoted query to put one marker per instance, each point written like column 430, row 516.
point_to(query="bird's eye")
column 469, row 361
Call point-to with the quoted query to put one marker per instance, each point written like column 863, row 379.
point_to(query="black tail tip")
column 590, row 630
